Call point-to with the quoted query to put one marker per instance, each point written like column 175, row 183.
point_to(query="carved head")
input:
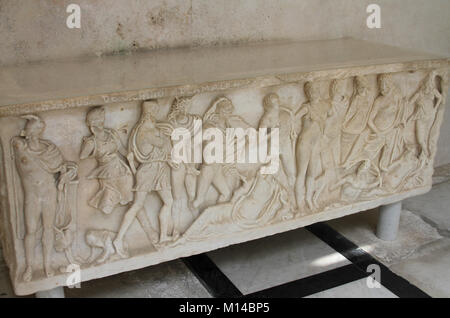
column 150, row 108
column 430, row 82
column 180, row 104
column 34, row 126
column 361, row 85
column 271, row 101
column 224, row 106
column 385, row 83
column 337, row 88
column 95, row 119
column 312, row 91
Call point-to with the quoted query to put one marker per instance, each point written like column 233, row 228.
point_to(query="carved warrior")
column 150, row 146
column 45, row 177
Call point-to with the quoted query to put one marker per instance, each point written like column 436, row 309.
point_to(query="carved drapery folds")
column 343, row 141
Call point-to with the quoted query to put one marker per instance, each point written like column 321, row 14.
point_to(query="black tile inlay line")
column 396, row 284
column 211, row 277
column 313, row 284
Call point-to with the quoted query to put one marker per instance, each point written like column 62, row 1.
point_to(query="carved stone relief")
column 49, row 186
column 345, row 141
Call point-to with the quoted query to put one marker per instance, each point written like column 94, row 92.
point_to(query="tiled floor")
column 276, row 260
column 420, row 256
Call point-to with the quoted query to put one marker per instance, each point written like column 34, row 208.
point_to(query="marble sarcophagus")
column 116, row 163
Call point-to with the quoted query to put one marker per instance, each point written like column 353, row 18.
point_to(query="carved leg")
column 388, row 221
column 422, row 132
column 31, row 222
column 288, row 163
column 165, row 216
column 57, row 292
column 128, row 218
column 221, row 185
column 48, row 218
column 190, row 182
column 151, row 233
column 204, row 182
column 303, row 161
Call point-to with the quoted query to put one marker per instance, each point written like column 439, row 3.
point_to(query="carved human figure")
column 365, row 180
column 330, row 153
column 356, row 118
column 333, row 128
column 112, row 172
column 426, row 100
column 43, row 172
column 282, row 118
column 184, row 177
column 259, row 201
column 314, row 112
column 406, row 169
column 383, row 136
column 220, row 116
column 151, row 148
column 277, row 116
column 387, row 119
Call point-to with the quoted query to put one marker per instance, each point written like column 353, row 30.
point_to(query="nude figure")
column 314, row 113
column 43, row 172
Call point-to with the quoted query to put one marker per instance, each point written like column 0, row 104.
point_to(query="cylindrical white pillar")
column 388, row 221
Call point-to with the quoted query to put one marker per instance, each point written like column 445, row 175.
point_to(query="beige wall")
column 32, row 30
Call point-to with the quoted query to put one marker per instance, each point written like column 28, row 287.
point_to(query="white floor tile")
column 413, row 233
column 433, row 206
column 429, row 270
column 275, row 260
